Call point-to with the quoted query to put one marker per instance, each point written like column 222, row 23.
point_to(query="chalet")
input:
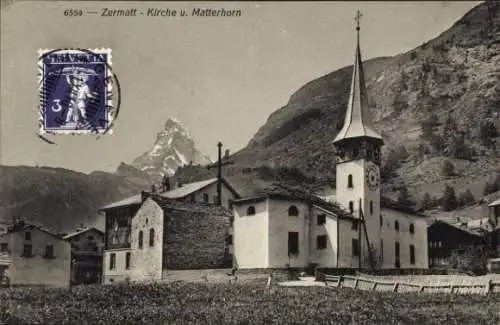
column 164, row 234
column 361, row 230
column 87, row 246
column 32, row 255
column 445, row 239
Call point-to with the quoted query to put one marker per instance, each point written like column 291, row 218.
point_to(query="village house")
column 31, row 255
column 87, row 246
column 447, row 239
column 351, row 227
column 494, row 234
column 145, row 240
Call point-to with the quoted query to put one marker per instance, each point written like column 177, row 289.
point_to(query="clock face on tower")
column 372, row 176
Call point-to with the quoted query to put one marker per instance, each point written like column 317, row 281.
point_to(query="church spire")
column 357, row 118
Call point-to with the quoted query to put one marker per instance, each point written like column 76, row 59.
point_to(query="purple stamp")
column 76, row 91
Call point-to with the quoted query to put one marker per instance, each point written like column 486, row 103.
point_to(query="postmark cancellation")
column 76, row 91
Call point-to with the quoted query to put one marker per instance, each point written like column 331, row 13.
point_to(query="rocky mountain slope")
column 172, row 148
column 60, row 199
column 430, row 104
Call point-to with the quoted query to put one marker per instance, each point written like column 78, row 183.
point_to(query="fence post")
column 489, row 286
column 374, row 286
column 396, row 285
column 452, row 287
column 422, row 288
column 339, row 283
column 355, row 283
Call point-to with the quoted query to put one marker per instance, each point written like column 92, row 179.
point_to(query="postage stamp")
column 76, row 91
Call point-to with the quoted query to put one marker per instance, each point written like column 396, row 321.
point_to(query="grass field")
column 243, row 303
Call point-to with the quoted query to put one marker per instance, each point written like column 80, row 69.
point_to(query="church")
column 353, row 227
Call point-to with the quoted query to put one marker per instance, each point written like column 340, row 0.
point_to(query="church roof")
column 283, row 193
column 357, row 121
column 176, row 193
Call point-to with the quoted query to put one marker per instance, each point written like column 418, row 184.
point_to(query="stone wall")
column 195, row 240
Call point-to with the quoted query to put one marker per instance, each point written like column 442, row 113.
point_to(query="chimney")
column 165, row 184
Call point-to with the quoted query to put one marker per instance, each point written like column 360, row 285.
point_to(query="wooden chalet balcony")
column 5, row 258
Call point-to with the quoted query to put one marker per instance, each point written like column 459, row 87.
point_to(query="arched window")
column 396, row 225
column 412, row 229
column 151, row 237
column 293, row 211
column 371, row 207
column 250, row 210
column 349, row 181
column 140, row 239
column 351, row 206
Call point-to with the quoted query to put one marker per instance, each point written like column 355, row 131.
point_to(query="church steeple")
column 357, row 121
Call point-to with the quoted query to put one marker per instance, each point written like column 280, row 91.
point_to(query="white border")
column 109, row 89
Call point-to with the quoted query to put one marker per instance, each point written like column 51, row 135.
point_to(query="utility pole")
column 219, row 165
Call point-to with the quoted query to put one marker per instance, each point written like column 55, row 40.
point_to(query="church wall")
column 345, row 249
column 196, row 239
column 211, row 191
column 326, row 257
column 251, row 236
column 405, row 239
column 146, row 262
column 280, row 224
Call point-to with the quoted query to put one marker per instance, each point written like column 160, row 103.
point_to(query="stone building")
column 361, row 230
column 87, row 246
column 145, row 240
column 31, row 255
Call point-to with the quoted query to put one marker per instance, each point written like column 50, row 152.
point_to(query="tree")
column 404, row 197
column 466, row 198
column 492, row 186
column 487, row 131
column 456, row 147
column 447, row 169
column 450, row 127
column 449, row 199
column 437, row 143
column 427, row 202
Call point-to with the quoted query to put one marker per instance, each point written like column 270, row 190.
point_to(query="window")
column 127, row 260
column 229, row 239
column 371, row 207
column 112, row 261
column 293, row 243
column 412, row 229
column 412, row 254
column 90, row 238
column 321, row 219
column 251, row 210
column 293, row 211
column 354, row 225
column 349, row 181
column 140, row 239
column 27, row 235
column 381, row 221
column 151, row 237
column 49, row 251
column 205, row 197
column 321, row 242
column 193, row 198
column 355, row 247
column 27, row 251
column 396, row 225
column 396, row 250
column 351, row 206
column 4, row 247
column 381, row 249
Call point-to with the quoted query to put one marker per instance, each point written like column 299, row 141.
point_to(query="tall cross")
column 357, row 18
column 219, row 165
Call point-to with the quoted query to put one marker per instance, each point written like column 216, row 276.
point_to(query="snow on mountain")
column 173, row 147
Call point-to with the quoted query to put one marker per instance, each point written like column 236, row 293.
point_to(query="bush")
column 447, row 169
column 466, row 198
column 404, row 197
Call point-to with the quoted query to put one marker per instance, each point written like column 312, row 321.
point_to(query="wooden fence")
column 346, row 281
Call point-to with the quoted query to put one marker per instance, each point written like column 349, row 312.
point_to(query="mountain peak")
column 174, row 146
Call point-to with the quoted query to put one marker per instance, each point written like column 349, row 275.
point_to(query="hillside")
column 432, row 103
column 58, row 198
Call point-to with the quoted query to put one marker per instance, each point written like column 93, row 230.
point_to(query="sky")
column 221, row 77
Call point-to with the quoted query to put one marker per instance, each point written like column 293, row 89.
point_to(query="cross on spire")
column 219, row 165
column 357, row 18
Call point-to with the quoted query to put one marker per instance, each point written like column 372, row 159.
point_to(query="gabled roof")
column 494, row 203
column 76, row 233
column 177, row 193
column 26, row 225
column 278, row 192
column 455, row 226
column 357, row 121
column 197, row 208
